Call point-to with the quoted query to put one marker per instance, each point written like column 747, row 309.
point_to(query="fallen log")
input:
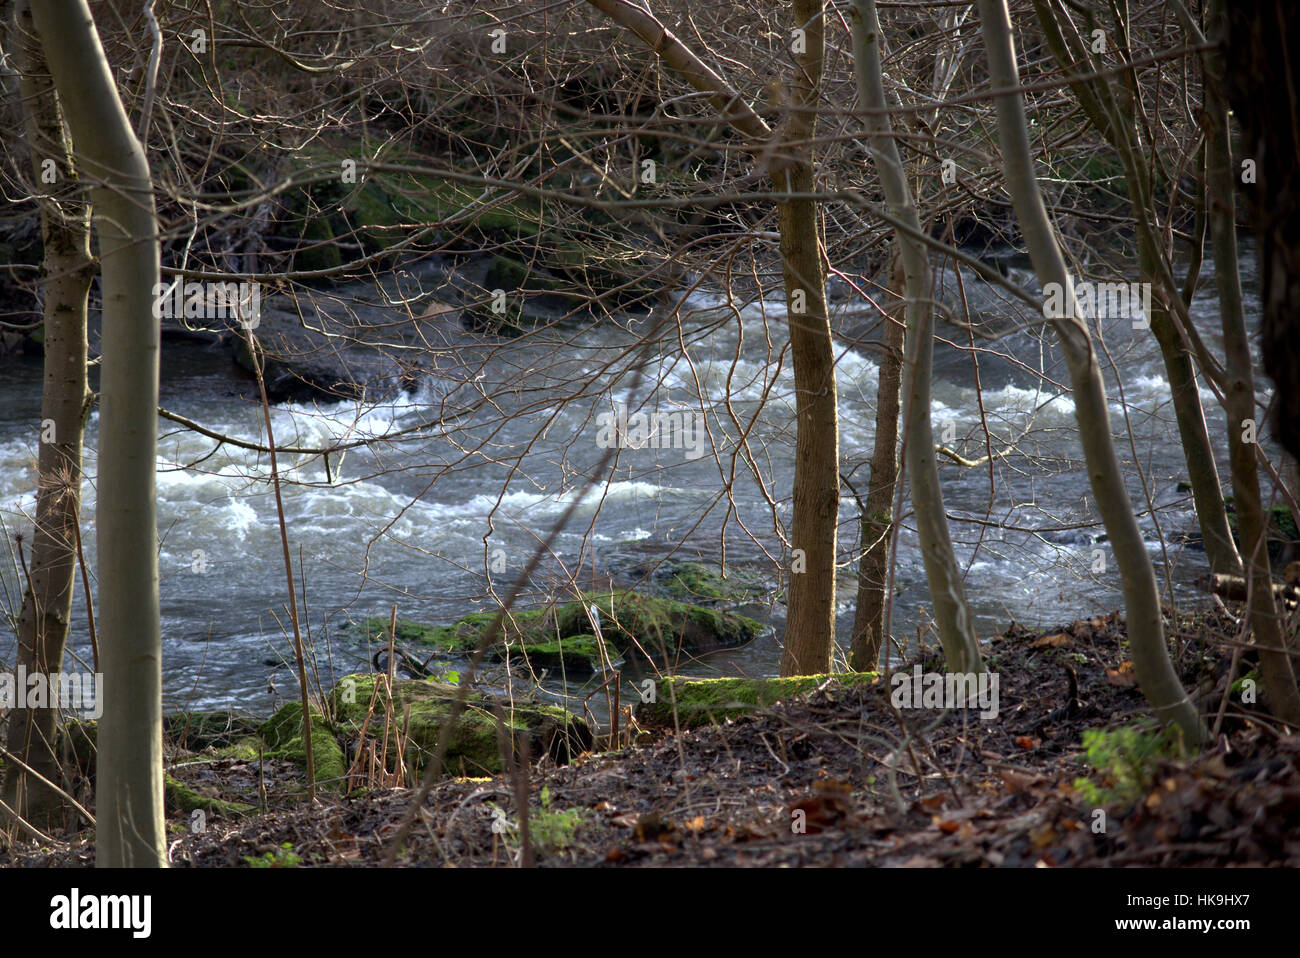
column 1234, row 587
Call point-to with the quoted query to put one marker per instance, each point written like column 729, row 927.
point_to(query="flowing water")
column 473, row 486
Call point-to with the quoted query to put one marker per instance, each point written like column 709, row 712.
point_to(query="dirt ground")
column 835, row 778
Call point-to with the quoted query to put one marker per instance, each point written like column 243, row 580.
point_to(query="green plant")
column 549, row 831
column 1127, row 759
column 282, row 857
column 553, row 831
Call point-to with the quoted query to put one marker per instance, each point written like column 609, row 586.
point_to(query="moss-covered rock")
column 633, row 625
column 196, row 731
column 181, row 798
column 706, row 701
column 653, row 627
column 574, row 654
column 282, row 733
column 474, row 748
column 700, row 583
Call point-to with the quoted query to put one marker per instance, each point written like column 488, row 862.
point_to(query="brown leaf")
column 1123, row 677
column 1054, row 641
column 1018, row 781
column 1028, row 741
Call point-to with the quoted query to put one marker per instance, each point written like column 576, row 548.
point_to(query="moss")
column 626, row 274
column 282, row 733
column 633, row 623
column 1282, row 535
column 630, row 622
column 705, row 701
column 181, row 798
column 697, row 582
column 574, row 653
column 473, row 748
column 195, row 731
column 461, row 636
column 79, row 742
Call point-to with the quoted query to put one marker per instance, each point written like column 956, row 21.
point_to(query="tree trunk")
column 947, row 590
column 1155, row 672
column 810, row 625
column 66, row 274
column 129, row 789
column 1115, row 122
column 877, row 522
column 1278, row 677
column 810, row 622
column 1262, row 36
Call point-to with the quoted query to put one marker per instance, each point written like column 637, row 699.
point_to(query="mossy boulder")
column 700, row 583
column 633, row 625
column 578, row 654
column 196, row 731
column 707, row 701
column 180, row 798
column 648, row 626
column 475, row 747
column 282, row 734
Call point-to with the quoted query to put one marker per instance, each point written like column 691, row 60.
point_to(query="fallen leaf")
column 1028, row 741
column 1054, row 641
column 1017, row 781
column 1123, row 677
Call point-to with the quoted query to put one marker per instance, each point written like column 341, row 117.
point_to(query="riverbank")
column 1062, row 777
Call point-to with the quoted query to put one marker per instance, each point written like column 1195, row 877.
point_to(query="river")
column 405, row 522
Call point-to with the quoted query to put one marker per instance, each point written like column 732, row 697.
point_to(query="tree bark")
column 1275, row 669
column 129, row 787
column 1115, row 123
column 1155, row 673
column 810, row 621
column 810, row 624
column 877, row 521
column 947, row 590
column 66, row 274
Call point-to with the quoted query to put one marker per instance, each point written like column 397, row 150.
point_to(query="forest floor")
column 836, row 777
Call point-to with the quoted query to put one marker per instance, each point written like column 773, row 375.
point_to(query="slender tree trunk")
column 877, row 522
column 1155, row 672
column 1239, row 398
column 129, row 789
column 66, row 274
column 1260, row 43
column 810, row 622
column 810, row 626
column 947, row 590
column 1114, row 121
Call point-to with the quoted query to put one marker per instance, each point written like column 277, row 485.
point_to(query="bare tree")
column 1239, row 399
column 47, row 601
column 1155, row 673
column 111, row 161
column 947, row 590
column 810, row 625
